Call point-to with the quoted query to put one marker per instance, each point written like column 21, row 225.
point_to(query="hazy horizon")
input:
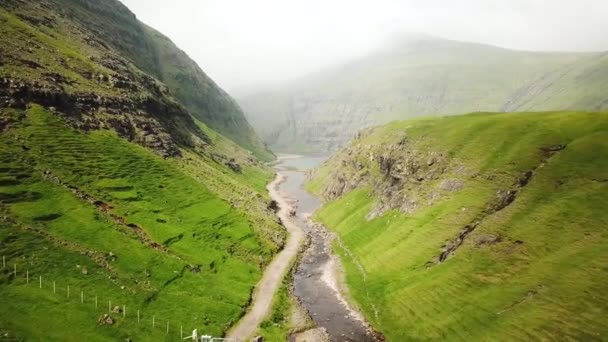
column 241, row 43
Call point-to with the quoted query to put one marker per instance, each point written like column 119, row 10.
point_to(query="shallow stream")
column 315, row 283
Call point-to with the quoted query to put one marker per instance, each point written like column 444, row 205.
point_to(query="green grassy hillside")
column 475, row 227
column 162, row 236
column 122, row 181
column 423, row 76
column 94, row 45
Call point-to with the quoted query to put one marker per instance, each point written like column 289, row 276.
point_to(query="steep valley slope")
column 475, row 227
column 61, row 52
column 126, row 209
column 417, row 76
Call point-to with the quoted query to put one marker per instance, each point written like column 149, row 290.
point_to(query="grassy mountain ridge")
column 475, row 227
column 113, row 47
column 113, row 184
column 422, row 76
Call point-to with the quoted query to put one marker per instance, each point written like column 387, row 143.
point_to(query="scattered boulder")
column 258, row 339
column 451, row 184
column 105, row 319
column 503, row 199
column 117, row 309
column 111, row 256
column 85, row 270
column 233, row 165
column 548, row 151
column 273, row 205
column 487, row 240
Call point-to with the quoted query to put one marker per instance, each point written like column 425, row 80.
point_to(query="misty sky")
column 241, row 43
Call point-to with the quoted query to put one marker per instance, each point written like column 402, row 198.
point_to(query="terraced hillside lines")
column 534, row 268
column 106, row 209
column 56, row 189
column 417, row 76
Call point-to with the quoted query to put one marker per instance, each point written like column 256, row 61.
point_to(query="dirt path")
column 274, row 273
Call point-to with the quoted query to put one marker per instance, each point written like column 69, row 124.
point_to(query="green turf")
column 207, row 217
column 546, row 278
column 277, row 326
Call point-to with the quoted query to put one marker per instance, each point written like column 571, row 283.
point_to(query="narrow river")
column 316, row 277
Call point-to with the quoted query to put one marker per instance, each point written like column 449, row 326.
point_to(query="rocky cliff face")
column 400, row 175
column 162, row 126
column 423, row 76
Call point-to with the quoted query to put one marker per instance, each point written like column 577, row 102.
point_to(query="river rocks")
column 316, row 335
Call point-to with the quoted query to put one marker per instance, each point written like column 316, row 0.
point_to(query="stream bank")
column 317, row 280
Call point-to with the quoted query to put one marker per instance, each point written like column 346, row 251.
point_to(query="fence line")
column 110, row 309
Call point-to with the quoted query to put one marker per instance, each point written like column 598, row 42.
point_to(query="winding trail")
column 274, row 273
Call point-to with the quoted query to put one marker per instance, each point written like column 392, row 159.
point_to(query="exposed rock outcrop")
column 152, row 122
column 398, row 174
